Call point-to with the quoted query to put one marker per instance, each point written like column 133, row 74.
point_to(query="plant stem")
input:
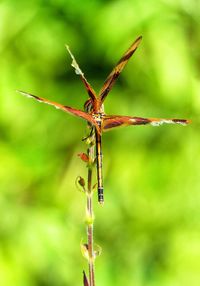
column 90, row 226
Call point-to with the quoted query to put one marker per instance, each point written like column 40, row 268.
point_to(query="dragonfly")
column 94, row 113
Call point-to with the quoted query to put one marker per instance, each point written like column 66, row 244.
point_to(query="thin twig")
column 90, row 216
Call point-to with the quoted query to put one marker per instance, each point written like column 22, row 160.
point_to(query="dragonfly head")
column 98, row 117
column 95, row 107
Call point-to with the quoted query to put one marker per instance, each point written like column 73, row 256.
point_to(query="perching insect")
column 94, row 109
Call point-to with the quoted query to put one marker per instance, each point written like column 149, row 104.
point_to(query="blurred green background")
column 149, row 226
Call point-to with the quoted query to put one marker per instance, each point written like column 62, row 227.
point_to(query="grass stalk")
column 90, row 223
column 88, row 248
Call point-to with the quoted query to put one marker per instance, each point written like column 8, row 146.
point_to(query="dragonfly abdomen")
column 99, row 168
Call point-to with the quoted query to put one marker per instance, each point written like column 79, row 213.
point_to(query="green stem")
column 90, row 226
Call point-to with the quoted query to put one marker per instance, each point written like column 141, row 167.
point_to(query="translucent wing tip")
column 158, row 122
column 138, row 40
column 182, row 121
column 74, row 63
column 189, row 121
column 68, row 49
column 29, row 95
column 19, row 91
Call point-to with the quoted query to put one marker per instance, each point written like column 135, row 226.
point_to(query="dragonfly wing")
column 117, row 70
column 113, row 121
column 65, row 108
column 160, row 121
column 78, row 71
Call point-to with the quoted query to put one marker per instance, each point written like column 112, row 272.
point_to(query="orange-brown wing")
column 117, row 70
column 113, row 121
column 78, row 71
column 65, row 108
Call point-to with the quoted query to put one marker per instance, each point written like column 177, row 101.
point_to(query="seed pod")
column 80, row 183
column 84, row 251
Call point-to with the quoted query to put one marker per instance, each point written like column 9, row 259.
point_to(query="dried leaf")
column 85, row 280
column 84, row 157
column 84, row 251
column 80, row 183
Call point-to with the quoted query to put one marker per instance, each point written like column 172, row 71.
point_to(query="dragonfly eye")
column 88, row 106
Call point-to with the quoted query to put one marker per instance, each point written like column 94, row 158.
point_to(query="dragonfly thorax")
column 98, row 117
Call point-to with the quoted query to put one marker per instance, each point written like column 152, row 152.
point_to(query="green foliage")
column 149, row 226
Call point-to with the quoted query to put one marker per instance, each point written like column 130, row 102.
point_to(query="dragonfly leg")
column 90, row 134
